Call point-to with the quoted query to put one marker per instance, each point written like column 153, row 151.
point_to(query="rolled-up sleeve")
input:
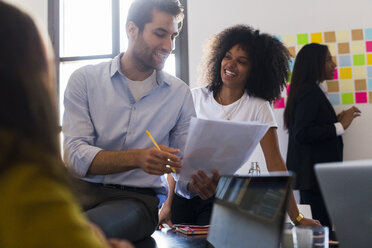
column 77, row 127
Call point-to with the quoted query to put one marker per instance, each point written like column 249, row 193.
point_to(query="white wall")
column 38, row 9
column 208, row 17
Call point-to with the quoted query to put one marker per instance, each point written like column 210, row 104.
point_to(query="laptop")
column 249, row 211
column 347, row 191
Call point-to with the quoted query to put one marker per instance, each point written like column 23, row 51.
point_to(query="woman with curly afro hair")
column 244, row 71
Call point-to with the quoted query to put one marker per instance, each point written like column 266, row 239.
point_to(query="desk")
column 170, row 238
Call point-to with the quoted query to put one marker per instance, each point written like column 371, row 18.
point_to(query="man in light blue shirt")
column 108, row 108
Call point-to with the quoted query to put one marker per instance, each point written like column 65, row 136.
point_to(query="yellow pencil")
column 157, row 146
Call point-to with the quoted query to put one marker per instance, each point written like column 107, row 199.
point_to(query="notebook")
column 347, row 191
column 249, row 211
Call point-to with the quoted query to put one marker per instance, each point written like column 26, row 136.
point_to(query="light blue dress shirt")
column 101, row 114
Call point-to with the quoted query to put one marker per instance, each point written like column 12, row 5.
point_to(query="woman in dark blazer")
column 313, row 126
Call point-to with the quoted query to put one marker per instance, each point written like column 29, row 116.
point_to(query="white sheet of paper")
column 219, row 144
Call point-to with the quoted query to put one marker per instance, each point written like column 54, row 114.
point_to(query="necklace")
column 228, row 114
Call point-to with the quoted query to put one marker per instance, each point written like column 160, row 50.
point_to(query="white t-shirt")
column 140, row 88
column 247, row 108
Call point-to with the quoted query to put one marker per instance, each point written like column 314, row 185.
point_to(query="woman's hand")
column 204, row 186
column 347, row 116
column 309, row 222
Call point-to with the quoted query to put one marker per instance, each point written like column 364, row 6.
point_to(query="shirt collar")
column 115, row 68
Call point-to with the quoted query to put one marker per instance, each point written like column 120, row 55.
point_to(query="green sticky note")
column 289, row 77
column 347, row 98
column 302, row 39
column 358, row 59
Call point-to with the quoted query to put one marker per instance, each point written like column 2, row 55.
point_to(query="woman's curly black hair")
column 268, row 56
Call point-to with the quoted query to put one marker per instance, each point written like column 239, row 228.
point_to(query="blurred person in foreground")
column 37, row 208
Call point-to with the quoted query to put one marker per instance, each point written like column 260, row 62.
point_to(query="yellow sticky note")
column 357, row 47
column 316, row 38
column 346, row 85
column 359, row 72
column 332, row 47
column 345, row 73
column 369, row 58
column 342, row 36
column 289, row 39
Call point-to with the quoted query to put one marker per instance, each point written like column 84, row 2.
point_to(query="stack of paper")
column 219, row 144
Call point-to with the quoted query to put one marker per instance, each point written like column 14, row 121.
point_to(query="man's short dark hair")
column 140, row 12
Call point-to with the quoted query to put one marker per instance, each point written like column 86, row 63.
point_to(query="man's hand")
column 155, row 162
column 204, row 186
column 165, row 216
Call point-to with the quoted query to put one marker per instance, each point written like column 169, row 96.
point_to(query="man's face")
column 153, row 45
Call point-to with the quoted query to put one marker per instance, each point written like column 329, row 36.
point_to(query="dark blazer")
column 312, row 136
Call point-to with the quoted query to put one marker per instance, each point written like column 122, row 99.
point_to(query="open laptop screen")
column 347, row 192
column 249, row 211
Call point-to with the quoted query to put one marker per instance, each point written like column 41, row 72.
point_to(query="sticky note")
column 342, row 35
column 359, row 72
column 291, row 64
column 335, row 74
column 289, row 39
column 345, row 73
column 329, row 37
column 298, row 48
column 369, row 71
column 368, row 34
column 333, row 86
column 334, row 98
column 369, row 58
column 347, row 98
column 360, row 84
column 289, row 77
column 278, row 104
column 302, row 39
column 288, row 88
column 357, row 47
column 279, row 38
column 370, row 97
column 369, row 83
column 316, row 37
column 361, row 97
column 332, row 47
column 343, row 48
column 292, row 51
column 359, row 59
column 346, row 85
column 334, row 59
column 357, row 34
column 369, row 46
column 344, row 60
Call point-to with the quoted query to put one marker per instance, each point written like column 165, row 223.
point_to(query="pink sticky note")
column 279, row 103
column 361, row 97
column 288, row 87
column 369, row 46
column 335, row 74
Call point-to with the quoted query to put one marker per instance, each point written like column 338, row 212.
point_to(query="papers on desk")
column 219, row 144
